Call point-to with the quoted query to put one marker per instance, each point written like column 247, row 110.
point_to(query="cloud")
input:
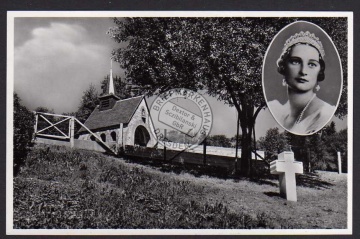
column 57, row 64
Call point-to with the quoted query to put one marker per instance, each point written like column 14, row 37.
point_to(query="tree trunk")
column 247, row 119
column 237, row 144
column 247, row 116
column 245, row 150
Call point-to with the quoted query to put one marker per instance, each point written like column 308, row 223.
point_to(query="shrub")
column 23, row 130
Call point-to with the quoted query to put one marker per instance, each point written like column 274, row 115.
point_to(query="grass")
column 64, row 188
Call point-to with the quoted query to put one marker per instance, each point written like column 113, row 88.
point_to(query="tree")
column 221, row 55
column 90, row 98
column 319, row 151
column 219, row 141
column 88, row 103
column 23, row 132
column 337, row 142
column 233, row 140
column 122, row 89
column 274, row 143
column 319, row 156
column 329, row 130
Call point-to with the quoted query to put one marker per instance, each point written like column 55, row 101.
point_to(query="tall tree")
column 319, row 156
column 337, row 142
column 274, row 143
column 318, row 151
column 23, row 132
column 329, row 130
column 89, row 101
column 222, row 55
column 122, row 89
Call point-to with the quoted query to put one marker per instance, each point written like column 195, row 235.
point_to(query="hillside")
column 64, row 188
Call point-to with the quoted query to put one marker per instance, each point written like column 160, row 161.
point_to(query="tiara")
column 307, row 38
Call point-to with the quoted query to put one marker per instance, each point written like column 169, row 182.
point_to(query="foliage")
column 23, row 132
column 64, row 189
column 82, row 189
column 122, row 89
column 273, row 143
column 43, row 109
column 233, row 140
column 43, row 124
column 319, row 151
column 319, row 156
column 222, row 55
column 90, row 98
column 337, row 142
column 88, row 103
column 218, row 140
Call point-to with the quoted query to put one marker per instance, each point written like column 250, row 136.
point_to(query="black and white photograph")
column 304, row 95
column 190, row 123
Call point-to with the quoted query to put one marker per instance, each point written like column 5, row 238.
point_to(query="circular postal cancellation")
column 302, row 78
column 182, row 118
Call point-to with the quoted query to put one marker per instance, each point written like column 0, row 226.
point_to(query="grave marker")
column 287, row 167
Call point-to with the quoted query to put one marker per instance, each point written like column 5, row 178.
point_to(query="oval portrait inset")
column 302, row 78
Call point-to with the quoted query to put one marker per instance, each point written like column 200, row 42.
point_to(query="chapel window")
column 113, row 136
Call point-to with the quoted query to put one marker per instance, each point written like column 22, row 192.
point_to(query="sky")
column 56, row 60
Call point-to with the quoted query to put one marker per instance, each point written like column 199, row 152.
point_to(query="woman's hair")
column 305, row 38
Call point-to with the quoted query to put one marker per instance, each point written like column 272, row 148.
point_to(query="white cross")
column 287, row 167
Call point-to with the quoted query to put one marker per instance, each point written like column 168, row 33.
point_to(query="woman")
column 303, row 67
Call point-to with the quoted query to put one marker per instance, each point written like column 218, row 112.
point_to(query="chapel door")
column 142, row 136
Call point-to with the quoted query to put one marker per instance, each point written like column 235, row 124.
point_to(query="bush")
column 23, row 131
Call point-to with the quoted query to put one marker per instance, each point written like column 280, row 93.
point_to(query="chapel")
column 120, row 122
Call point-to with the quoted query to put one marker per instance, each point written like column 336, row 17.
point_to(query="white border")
column 9, row 123
column 12, row 14
column 350, row 132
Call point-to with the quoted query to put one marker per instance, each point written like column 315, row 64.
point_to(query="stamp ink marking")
column 168, row 115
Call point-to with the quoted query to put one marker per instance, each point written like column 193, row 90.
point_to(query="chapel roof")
column 122, row 112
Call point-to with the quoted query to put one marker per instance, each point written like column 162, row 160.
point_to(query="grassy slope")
column 63, row 188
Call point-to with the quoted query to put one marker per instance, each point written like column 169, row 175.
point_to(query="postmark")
column 182, row 118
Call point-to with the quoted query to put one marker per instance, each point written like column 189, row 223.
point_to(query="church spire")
column 108, row 100
column 111, row 89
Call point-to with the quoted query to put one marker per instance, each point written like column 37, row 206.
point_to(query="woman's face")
column 302, row 68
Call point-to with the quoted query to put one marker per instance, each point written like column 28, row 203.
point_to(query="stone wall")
column 137, row 119
column 87, row 137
